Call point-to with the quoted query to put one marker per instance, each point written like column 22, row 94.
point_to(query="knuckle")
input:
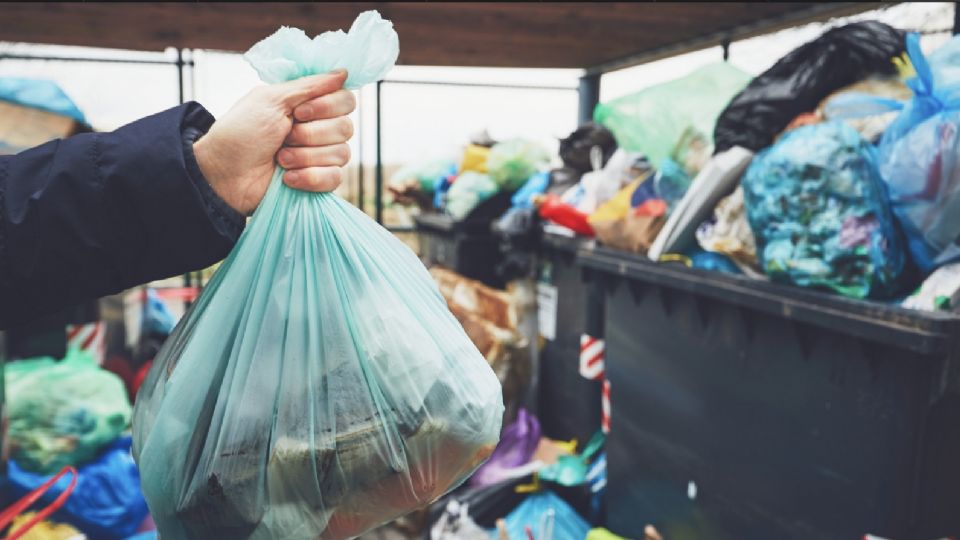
column 345, row 127
column 343, row 154
column 335, row 176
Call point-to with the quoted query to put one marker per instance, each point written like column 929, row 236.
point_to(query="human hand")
column 240, row 151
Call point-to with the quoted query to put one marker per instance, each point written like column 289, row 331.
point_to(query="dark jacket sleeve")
column 97, row 213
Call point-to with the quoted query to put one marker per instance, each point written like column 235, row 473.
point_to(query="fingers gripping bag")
column 319, row 386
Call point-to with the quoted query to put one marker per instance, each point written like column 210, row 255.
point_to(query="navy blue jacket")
column 97, row 213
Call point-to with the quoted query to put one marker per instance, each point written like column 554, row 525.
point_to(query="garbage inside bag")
column 320, row 385
column 575, row 149
column 654, row 120
column 919, row 158
column 728, row 232
column 62, row 413
column 800, row 80
column 547, row 516
column 819, row 212
column 939, row 292
column 467, row 192
column 485, row 504
column 518, row 442
column 513, row 162
column 692, row 151
column 106, row 503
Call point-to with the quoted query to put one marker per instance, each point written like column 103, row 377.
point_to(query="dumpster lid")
column 923, row 332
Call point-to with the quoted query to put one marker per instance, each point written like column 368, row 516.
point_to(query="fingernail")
column 306, row 111
column 285, row 158
column 293, row 177
column 339, row 70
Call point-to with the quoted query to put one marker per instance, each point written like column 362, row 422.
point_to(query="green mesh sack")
column 653, row 120
column 319, row 386
column 62, row 413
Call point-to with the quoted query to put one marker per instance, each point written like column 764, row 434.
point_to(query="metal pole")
column 187, row 278
column 360, row 178
column 956, row 18
column 589, row 97
column 725, row 44
column 378, row 194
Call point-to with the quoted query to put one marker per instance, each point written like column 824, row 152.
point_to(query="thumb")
column 298, row 91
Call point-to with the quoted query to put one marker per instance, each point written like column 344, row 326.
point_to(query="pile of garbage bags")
column 70, row 412
column 836, row 169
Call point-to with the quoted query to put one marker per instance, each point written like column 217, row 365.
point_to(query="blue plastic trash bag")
column 319, row 386
column 919, row 157
column 671, row 182
column 106, row 504
column 39, row 94
column 548, row 516
column 820, row 215
column 536, row 185
column 157, row 318
column 149, row 535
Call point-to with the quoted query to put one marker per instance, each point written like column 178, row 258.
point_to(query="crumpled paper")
column 367, row 51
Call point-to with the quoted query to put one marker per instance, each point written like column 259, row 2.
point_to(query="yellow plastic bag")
column 617, row 207
column 475, row 159
column 46, row 530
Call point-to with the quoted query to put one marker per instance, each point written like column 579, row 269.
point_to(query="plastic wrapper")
column 600, row 185
column 511, row 163
column 728, row 232
column 106, row 504
column 552, row 208
column 468, row 190
column 799, row 81
column 536, row 185
column 575, row 149
column 518, row 443
column 819, row 212
column 319, row 386
column 872, row 126
column 671, row 182
column 62, row 413
column 654, row 120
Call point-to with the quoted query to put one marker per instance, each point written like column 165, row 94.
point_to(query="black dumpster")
column 468, row 246
column 568, row 404
column 749, row 410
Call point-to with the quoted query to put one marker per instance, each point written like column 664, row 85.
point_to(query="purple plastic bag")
column 517, row 445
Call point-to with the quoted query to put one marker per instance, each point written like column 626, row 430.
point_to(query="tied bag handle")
column 7, row 516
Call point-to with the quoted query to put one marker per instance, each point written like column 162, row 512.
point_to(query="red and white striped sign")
column 592, row 367
column 87, row 337
column 605, row 407
column 591, row 357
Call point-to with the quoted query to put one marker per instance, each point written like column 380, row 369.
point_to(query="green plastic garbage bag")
column 653, row 120
column 511, row 163
column 319, row 386
column 62, row 413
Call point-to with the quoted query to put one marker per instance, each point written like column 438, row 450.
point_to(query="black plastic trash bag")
column 800, row 80
column 575, row 149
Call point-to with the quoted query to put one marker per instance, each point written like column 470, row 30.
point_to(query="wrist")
column 213, row 171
